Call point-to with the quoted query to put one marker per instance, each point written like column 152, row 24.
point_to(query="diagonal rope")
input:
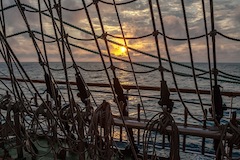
column 14, row 58
column 38, row 51
column 76, row 67
column 64, row 36
column 228, row 37
column 62, row 52
column 26, row 75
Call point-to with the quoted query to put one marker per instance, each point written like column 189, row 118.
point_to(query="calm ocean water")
column 227, row 83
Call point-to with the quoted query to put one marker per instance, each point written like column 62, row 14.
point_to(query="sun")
column 120, row 51
column 123, row 49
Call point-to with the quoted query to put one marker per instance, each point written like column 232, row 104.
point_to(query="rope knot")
column 159, row 123
column 161, row 68
column 23, row 8
column 41, row 62
column 56, row 6
column 213, row 33
column 3, row 37
column 155, row 33
column 31, row 34
column 66, row 35
column 215, row 71
column 75, row 66
column 112, row 67
column 104, row 36
column 95, row 1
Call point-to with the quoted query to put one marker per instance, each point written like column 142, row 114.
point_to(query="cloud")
column 8, row 3
column 136, row 21
column 236, row 17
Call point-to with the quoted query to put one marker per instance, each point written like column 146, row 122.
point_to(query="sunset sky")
column 136, row 21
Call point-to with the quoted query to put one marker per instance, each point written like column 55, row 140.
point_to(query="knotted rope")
column 159, row 124
column 100, row 132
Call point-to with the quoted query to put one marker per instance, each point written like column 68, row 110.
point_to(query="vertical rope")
column 57, row 6
column 129, row 57
column 208, row 49
column 66, row 43
column 217, row 110
column 191, row 57
column 213, row 42
column 104, row 65
column 4, row 50
column 2, row 19
column 165, row 93
column 207, row 43
column 44, row 47
column 171, row 66
column 155, row 34
column 38, row 51
column 61, row 48
column 105, row 39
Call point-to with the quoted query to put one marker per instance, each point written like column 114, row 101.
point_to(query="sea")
column 142, row 74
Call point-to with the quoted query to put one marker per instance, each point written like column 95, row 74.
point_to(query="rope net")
column 73, row 105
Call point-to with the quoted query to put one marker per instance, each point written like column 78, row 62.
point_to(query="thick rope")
column 155, row 126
